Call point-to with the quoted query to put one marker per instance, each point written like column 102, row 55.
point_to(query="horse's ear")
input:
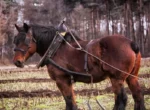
column 26, row 27
column 17, row 27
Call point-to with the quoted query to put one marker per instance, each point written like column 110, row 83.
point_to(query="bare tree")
column 90, row 18
column 8, row 15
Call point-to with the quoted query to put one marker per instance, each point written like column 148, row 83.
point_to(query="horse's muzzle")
column 19, row 64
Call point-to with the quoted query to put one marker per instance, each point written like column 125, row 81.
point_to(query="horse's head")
column 25, row 46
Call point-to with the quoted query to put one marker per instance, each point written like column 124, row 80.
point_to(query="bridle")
column 21, row 50
column 27, row 41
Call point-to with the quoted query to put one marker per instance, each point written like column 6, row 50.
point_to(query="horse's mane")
column 45, row 34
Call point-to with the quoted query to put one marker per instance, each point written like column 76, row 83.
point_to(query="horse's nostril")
column 18, row 63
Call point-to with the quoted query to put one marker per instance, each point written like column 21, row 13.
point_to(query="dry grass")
column 105, row 96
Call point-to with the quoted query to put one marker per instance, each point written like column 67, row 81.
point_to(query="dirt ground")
column 43, row 93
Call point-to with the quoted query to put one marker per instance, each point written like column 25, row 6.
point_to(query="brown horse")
column 116, row 50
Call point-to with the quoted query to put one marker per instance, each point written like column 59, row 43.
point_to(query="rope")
column 74, row 38
column 109, row 64
column 81, row 49
column 99, row 104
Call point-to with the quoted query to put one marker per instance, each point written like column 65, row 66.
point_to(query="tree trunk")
column 107, row 18
column 141, row 28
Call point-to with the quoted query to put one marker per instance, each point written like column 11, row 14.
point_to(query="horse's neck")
column 42, row 46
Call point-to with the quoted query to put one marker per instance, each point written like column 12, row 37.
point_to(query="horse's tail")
column 137, row 64
column 135, row 47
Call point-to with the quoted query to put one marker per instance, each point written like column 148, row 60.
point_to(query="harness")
column 86, row 56
column 57, row 39
column 52, row 49
column 54, row 45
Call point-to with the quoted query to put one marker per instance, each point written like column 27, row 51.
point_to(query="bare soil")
column 48, row 93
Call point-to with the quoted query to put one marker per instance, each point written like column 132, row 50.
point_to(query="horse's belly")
column 96, row 76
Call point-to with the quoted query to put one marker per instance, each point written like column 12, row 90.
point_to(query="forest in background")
column 90, row 18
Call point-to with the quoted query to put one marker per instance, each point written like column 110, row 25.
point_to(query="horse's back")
column 117, row 51
column 118, row 46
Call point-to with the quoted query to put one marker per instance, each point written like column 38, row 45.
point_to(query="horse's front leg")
column 66, row 88
column 120, row 94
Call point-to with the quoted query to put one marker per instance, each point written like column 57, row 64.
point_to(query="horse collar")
column 52, row 49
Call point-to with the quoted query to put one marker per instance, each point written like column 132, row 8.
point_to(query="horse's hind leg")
column 66, row 89
column 135, row 87
column 136, row 93
column 120, row 94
